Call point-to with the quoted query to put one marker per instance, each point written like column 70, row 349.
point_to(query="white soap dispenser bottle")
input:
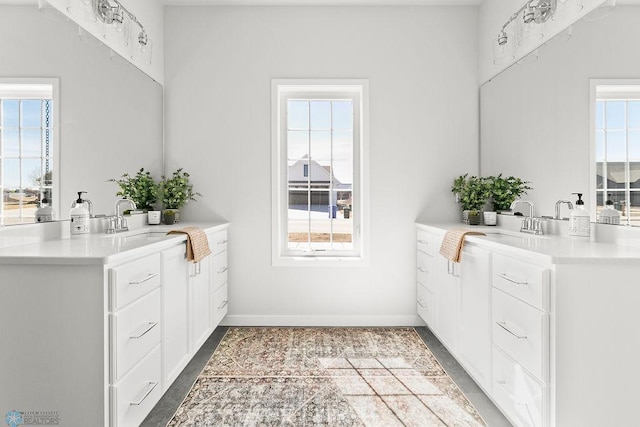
column 79, row 218
column 580, row 219
column 609, row 214
column 45, row 212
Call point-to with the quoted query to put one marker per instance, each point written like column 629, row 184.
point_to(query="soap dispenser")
column 45, row 212
column 79, row 218
column 580, row 219
column 609, row 215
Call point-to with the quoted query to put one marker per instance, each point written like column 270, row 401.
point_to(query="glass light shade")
column 528, row 32
column 504, row 53
column 605, row 9
column 143, row 50
column 118, row 33
column 566, row 9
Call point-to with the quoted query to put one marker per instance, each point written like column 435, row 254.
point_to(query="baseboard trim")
column 324, row 320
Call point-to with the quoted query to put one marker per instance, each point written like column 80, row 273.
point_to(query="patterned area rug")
column 324, row 377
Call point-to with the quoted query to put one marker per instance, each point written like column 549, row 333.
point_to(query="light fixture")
column 567, row 9
column 118, row 22
column 530, row 18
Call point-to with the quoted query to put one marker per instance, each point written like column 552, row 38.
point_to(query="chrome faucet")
column 530, row 224
column 558, row 204
column 119, row 222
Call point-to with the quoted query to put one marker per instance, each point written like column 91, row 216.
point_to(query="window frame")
column 281, row 91
column 55, row 130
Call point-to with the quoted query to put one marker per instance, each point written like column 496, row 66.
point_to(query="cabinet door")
column 175, row 322
column 199, row 310
column 475, row 314
column 447, row 298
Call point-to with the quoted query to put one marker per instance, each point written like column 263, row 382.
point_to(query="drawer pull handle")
column 223, row 305
column 142, row 330
column 504, row 326
column 503, row 384
column 150, row 387
column 423, row 242
column 222, row 270
column 222, row 242
column 423, row 270
column 420, row 303
column 506, row 277
column 148, row 277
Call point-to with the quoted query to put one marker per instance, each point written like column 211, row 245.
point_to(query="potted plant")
column 140, row 188
column 472, row 192
column 505, row 190
column 175, row 191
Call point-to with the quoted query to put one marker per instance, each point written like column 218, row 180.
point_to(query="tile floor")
column 387, row 384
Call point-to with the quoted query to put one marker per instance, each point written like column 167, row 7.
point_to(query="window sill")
column 320, row 261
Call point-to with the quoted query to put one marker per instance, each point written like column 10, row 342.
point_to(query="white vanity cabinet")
column 219, row 274
column 95, row 331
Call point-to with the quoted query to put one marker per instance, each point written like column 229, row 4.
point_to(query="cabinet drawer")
column 425, row 304
column 132, row 280
column 517, row 393
column 135, row 330
column 522, row 332
column 133, row 397
column 218, row 242
column 219, row 271
column 427, row 242
column 525, row 281
column 221, row 304
column 424, row 263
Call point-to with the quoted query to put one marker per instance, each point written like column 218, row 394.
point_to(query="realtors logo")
column 32, row 418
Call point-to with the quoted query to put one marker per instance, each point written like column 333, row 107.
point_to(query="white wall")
column 535, row 117
column 421, row 63
column 111, row 114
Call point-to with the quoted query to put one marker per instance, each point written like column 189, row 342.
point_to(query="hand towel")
column 197, row 243
column 453, row 242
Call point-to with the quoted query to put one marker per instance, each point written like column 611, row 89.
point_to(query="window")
column 617, row 150
column 28, row 144
column 318, row 150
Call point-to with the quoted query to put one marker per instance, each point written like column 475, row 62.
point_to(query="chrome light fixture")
column 118, row 20
column 531, row 16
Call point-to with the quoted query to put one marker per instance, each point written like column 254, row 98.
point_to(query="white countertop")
column 101, row 249
column 547, row 248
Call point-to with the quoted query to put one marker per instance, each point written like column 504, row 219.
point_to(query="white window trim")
column 280, row 254
column 55, row 84
column 624, row 93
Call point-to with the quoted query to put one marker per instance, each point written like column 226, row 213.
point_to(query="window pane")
column 320, row 145
column 31, row 143
column 321, row 115
column 297, row 144
column 616, row 175
column 633, row 112
column 31, row 173
column 616, row 146
column 11, row 173
column 342, row 115
column 10, row 113
column 634, row 145
column 599, row 115
column 599, row 175
column 10, row 142
column 634, row 174
column 599, row 145
column 615, row 114
column 297, row 115
column 31, row 113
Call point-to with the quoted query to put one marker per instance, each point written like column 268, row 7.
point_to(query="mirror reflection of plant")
column 505, row 190
column 141, row 188
column 177, row 190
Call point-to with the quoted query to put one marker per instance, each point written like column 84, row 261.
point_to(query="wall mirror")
column 536, row 118
column 110, row 113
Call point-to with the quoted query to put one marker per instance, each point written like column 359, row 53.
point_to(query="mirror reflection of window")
column 617, row 150
column 27, row 143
